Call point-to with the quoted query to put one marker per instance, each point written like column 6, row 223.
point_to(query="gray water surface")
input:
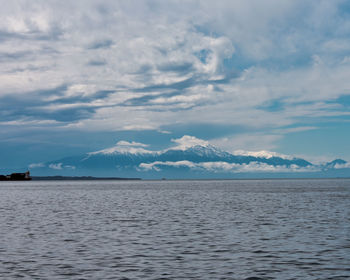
column 267, row 229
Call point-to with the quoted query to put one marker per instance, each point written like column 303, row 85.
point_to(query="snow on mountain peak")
column 124, row 147
column 261, row 154
column 131, row 144
column 186, row 142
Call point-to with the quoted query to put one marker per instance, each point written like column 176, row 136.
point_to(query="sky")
column 80, row 76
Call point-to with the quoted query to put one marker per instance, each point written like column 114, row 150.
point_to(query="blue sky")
column 244, row 75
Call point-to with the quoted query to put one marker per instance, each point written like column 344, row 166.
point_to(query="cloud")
column 261, row 154
column 187, row 141
column 36, row 165
column 131, row 144
column 341, row 166
column 96, row 62
column 101, row 44
column 144, row 65
column 158, row 164
column 60, row 166
column 125, row 147
column 70, row 167
column 225, row 167
column 56, row 166
column 60, row 104
column 182, row 67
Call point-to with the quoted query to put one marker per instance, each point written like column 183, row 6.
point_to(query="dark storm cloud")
column 97, row 63
column 68, row 115
column 81, row 98
column 103, row 44
column 101, row 94
column 177, row 89
column 4, row 35
column 144, row 69
column 33, row 105
column 20, row 110
column 227, row 78
column 166, row 106
column 53, row 34
column 29, row 68
column 14, row 107
column 14, row 56
column 19, row 56
column 275, row 105
column 181, row 68
column 190, row 82
column 177, row 86
column 146, row 99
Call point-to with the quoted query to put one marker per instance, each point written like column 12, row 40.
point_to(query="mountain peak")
column 189, row 157
column 187, row 141
column 337, row 163
column 124, row 147
column 207, row 150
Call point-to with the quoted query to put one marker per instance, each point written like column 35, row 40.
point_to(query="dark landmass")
column 16, row 177
column 61, row 178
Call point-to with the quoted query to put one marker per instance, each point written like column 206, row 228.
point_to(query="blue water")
column 267, row 229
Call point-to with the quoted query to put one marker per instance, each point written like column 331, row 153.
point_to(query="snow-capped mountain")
column 198, row 159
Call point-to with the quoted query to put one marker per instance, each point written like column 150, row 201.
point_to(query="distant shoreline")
column 78, row 178
column 91, row 178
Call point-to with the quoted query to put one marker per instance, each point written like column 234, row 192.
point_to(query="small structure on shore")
column 16, row 177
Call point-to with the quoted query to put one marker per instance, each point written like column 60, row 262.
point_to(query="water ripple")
column 238, row 230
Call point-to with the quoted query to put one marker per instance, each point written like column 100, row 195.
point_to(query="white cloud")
column 185, row 61
column 340, row 166
column 131, row 144
column 261, row 154
column 57, row 166
column 157, row 164
column 60, row 166
column 36, row 165
column 187, row 141
column 70, row 167
column 223, row 167
column 125, row 147
column 32, row 123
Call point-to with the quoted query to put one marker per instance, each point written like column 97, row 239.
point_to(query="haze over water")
column 268, row 229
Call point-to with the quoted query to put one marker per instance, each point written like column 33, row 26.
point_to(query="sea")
column 220, row 229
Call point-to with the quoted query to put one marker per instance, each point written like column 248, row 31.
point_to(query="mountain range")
column 198, row 159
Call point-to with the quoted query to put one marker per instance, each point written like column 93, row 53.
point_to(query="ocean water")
column 240, row 229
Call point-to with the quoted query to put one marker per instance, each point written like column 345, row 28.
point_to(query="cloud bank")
column 92, row 65
column 225, row 167
column 271, row 67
